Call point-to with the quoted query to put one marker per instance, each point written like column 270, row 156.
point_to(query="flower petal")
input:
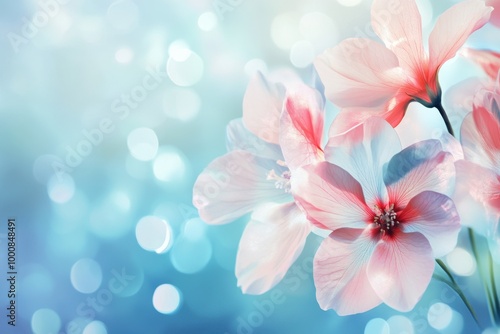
column 399, row 25
column 331, row 197
column 479, row 141
column 272, row 240
column 302, row 127
column 495, row 15
column 340, row 272
column 348, row 118
column 434, row 216
column 363, row 152
column 460, row 98
column 451, row 145
column 419, row 167
column 453, row 28
column 262, row 105
column 232, row 185
column 474, row 188
column 239, row 138
column 488, row 60
column 400, row 270
column 487, row 120
column 359, row 72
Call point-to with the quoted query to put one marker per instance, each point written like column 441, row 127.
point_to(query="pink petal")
column 451, row 145
column 479, row 145
column 262, row 106
column 475, row 187
column 232, row 185
column 302, row 127
column 434, row 216
column 359, row 72
column 453, row 28
column 340, row 272
column 423, row 166
column 495, row 15
column 400, row 270
column 399, row 25
column 363, row 152
column 488, row 60
column 488, row 122
column 393, row 112
column 239, row 138
column 272, row 240
column 462, row 94
column 331, row 197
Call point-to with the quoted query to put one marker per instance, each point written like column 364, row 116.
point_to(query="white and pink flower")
column 477, row 192
column 366, row 78
column 389, row 212
column 281, row 130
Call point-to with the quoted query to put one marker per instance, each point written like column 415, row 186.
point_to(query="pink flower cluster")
column 387, row 211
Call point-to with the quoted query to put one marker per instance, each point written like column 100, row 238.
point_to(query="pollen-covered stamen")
column 385, row 219
column 281, row 181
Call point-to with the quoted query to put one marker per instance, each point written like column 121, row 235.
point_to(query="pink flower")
column 366, row 78
column 264, row 150
column 477, row 192
column 389, row 215
column 495, row 16
column 488, row 60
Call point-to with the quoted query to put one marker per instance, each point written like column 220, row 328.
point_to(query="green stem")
column 491, row 304
column 446, row 270
column 494, row 290
column 446, row 120
column 459, row 292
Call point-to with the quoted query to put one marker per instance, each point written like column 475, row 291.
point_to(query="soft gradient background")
column 80, row 227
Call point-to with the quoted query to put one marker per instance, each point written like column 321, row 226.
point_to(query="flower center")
column 386, row 219
column 281, row 180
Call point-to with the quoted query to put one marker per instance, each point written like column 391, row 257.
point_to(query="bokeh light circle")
column 302, row 54
column 461, row 262
column 61, row 187
column 170, row 165
column 86, row 275
column 95, row 327
column 45, row 321
column 124, row 55
column 153, row 234
column 143, row 144
column 319, row 29
column 377, row 326
column 285, row 30
column 400, row 324
column 254, row 66
column 185, row 72
column 179, row 50
column 207, row 21
column 456, row 324
column 166, row 299
column 194, row 229
column 439, row 316
column 190, row 256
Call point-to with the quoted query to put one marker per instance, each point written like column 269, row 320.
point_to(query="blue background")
column 63, row 79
